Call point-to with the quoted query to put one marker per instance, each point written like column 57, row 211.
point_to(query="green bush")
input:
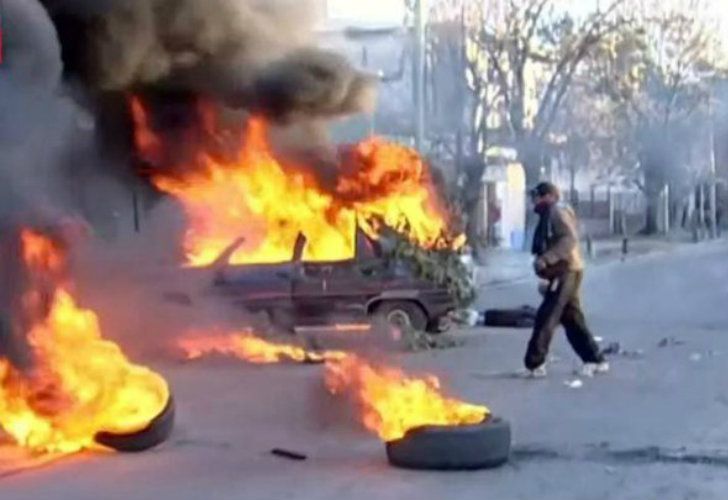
column 441, row 265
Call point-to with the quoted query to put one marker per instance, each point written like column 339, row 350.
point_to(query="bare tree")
column 534, row 49
column 659, row 77
column 458, row 101
column 500, row 72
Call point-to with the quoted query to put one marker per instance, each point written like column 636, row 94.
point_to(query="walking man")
column 559, row 263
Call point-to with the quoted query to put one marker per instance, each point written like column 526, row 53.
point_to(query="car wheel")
column 152, row 435
column 467, row 447
column 402, row 314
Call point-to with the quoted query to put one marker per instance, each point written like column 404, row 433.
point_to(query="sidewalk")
column 507, row 266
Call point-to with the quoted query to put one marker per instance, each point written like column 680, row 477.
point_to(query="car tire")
column 468, row 447
column 154, row 434
column 508, row 318
column 403, row 313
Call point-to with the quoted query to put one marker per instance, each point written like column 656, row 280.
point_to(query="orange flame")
column 80, row 384
column 393, row 403
column 248, row 347
column 252, row 193
column 41, row 253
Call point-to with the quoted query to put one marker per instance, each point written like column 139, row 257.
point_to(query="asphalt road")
column 655, row 427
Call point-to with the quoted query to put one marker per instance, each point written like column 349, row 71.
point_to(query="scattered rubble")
column 670, row 342
column 414, row 340
column 468, row 317
column 696, row 357
column 288, row 454
column 574, row 384
column 616, row 349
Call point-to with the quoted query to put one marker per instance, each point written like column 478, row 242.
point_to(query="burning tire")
column 467, row 447
column 152, row 435
column 402, row 314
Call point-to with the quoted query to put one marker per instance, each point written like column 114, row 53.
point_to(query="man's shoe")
column 591, row 369
column 536, row 373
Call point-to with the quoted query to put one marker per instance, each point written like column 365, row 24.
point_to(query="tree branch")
column 563, row 75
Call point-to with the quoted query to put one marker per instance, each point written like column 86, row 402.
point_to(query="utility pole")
column 666, row 208
column 419, row 73
column 713, row 194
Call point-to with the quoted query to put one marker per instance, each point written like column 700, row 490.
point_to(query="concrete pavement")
column 654, row 428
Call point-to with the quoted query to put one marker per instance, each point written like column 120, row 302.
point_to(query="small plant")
column 442, row 265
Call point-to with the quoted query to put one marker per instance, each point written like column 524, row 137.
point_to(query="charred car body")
column 301, row 293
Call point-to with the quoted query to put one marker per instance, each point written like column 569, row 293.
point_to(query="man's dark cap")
column 545, row 188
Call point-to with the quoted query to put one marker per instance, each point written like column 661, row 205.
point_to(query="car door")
column 340, row 289
column 310, row 291
column 255, row 286
column 352, row 284
column 259, row 282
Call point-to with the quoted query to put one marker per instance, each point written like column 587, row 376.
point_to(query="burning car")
column 309, row 237
column 303, row 293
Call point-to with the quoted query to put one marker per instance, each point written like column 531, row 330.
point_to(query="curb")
column 615, row 257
